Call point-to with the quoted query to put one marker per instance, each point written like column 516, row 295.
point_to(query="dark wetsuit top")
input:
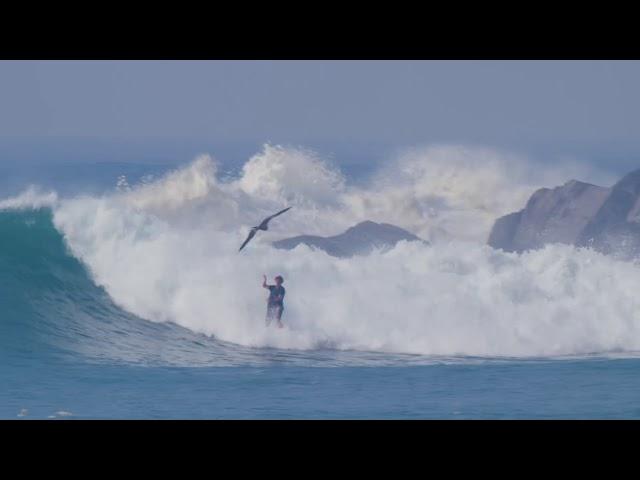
column 276, row 291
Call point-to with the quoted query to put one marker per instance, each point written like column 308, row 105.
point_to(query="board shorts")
column 274, row 312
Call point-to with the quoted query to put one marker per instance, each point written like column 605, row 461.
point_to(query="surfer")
column 275, row 305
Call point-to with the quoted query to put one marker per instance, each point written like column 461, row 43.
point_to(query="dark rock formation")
column 358, row 240
column 551, row 216
column 615, row 228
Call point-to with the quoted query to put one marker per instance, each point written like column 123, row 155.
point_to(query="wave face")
column 152, row 273
column 51, row 306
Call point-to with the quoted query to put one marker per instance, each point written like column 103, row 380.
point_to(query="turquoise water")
column 585, row 389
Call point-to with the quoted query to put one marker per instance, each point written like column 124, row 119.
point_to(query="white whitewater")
column 167, row 252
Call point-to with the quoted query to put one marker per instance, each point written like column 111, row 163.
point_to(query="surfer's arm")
column 264, row 282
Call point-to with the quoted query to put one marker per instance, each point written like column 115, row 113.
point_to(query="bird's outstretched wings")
column 251, row 235
column 262, row 226
column 266, row 220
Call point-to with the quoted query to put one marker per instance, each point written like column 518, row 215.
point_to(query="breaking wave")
column 152, row 270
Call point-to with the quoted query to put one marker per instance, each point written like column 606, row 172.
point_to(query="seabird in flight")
column 263, row 226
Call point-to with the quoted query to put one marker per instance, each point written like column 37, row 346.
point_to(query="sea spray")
column 167, row 252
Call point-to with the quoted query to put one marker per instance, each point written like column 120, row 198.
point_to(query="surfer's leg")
column 279, row 311
column 269, row 316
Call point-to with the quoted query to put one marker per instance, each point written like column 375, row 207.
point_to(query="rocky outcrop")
column 615, row 228
column 556, row 215
column 360, row 239
column 577, row 213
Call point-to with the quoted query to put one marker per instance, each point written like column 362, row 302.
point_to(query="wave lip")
column 31, row 199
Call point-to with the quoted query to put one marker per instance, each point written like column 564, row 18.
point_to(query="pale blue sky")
column 568, row 106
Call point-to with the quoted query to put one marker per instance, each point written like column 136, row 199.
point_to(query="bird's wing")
column 266, row 220
column 251, row 235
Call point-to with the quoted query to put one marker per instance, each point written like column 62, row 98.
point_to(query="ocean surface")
column 123, row 296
